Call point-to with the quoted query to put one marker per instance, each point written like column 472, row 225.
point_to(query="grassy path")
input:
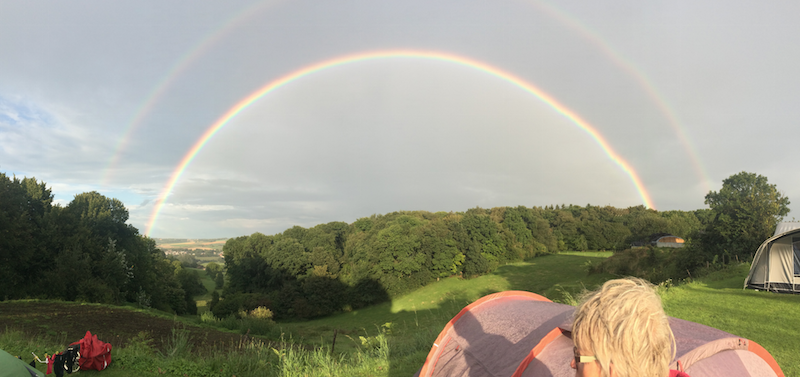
column 208, row 283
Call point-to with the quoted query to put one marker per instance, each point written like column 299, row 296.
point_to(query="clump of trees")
column 741, row 215
column 303, row 273
column 84, row 251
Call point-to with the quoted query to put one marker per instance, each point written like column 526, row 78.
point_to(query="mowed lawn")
column 718, row 300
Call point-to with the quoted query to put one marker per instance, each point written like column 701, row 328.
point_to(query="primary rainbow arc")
column 375, row 55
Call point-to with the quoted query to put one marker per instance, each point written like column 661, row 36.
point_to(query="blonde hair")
column 624, row 324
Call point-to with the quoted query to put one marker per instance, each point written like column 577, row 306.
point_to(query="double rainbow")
column 393, row 54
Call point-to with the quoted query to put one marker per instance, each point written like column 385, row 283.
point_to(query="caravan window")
column 796, row 248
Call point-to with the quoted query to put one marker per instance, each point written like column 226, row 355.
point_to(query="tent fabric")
column 480, row 339
column 780, row 261
column 11, row 366
column 786, row 226
column 776, row 264
column 519, row 333
column 95, row 354
column 553, row 360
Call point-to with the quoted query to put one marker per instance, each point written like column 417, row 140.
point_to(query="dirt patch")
column 117, row 326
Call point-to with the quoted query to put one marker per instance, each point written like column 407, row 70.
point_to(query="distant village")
column 203, row 249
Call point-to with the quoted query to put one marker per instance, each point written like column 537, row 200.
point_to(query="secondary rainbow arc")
column 174, row 72
column 375, row 55
column 628, row 66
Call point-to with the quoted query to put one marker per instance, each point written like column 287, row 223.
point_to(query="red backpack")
column 95, row 354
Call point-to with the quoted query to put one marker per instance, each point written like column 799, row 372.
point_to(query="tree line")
column 83, row 251
column 303, row 273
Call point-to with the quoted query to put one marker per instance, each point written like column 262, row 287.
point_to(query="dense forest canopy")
column 316, row 271
column 84, row 251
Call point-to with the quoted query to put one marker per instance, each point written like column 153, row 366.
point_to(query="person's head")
column 624, row 327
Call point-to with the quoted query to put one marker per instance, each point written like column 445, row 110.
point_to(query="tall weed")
column 243, row 359
column 138, row 354
column 179, row 344
column 257, row 324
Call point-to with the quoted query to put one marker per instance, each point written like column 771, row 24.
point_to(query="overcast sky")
column 111, row 95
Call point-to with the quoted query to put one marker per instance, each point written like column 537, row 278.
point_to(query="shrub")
column 261, row 312
column 650, row 263
column 233, row 304
column 208, row 317
column 248, row 324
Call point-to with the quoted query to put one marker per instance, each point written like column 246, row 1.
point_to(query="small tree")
column 219, row 280
column 214, row 300
column 212, row 269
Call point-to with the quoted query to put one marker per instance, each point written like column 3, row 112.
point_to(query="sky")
column 220, row 119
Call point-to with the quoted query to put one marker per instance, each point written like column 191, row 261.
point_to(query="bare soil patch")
column 115, row 325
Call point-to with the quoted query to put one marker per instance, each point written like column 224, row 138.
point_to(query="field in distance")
column 190, row 244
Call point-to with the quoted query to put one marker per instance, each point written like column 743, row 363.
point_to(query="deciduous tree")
column 744, row 212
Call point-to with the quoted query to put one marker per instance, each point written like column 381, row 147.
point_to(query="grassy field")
column 204, row 260
column 393, row 339
column 602, row 254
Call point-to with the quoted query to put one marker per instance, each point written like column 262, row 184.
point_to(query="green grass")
column 393, row 338
column 547, row 275
column 21, row 346
column 600, row 254
column 417, row 318
column 208, row 283
column 718, row 300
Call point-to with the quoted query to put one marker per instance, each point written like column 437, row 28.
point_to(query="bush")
column 649, row 263
column 260, row 312
column 233, row 304
column 208, row 317
column 248, row 325
column 366, row 292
